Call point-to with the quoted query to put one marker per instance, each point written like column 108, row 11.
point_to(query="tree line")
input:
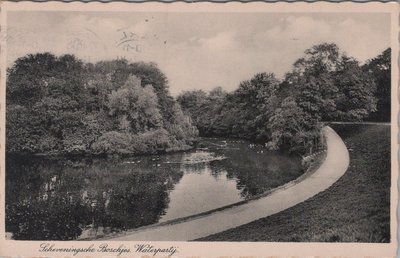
column 62, row 105
column 324, row 85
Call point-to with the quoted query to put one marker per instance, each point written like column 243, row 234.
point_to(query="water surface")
column 60, row 199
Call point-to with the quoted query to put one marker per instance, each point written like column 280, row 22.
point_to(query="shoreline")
column 197, row 223
column 311, row 169
column 93, row 155
column 331, row 216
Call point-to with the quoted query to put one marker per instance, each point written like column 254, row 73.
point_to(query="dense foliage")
column 324, row 85
column 380, row 69
column 62, row 105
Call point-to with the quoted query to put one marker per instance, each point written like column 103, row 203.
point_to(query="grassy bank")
column 355, row 209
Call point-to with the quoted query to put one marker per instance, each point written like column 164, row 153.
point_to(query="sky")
column 196, row 50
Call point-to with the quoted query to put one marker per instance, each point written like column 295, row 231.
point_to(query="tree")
column 329, row 85
column 209, row 115
column 193, row 104
column 260, row 93
column 27, row 78
column 357, row 91
column 316, row 94
column 244, row 113
column 62, row 105
column 293, row 129
column 137, row 104
column 379, row 68
column 23, row 130
column 318, row 59
column 180, row 126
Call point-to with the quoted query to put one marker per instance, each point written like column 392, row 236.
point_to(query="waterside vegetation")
column 62, row 105
column 323, row 85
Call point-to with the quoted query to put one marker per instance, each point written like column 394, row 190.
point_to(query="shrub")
column 112, row 143
column 151, row 141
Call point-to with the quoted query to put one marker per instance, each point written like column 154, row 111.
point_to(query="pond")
column 60, row 199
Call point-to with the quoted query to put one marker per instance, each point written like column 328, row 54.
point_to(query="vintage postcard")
column 199, row 129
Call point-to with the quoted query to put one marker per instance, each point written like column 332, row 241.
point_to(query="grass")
column 355, row 209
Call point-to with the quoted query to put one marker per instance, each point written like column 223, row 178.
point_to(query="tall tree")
column 380, row 70
column 357, row 91
column 27, row 78
column 135, row 106
column 329, row 85
column 194, row 103
column 293, row 129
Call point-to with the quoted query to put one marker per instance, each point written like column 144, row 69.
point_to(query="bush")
column 112, row 143
column 151, row 141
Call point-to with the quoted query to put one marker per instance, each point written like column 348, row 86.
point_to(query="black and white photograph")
column 223, row 126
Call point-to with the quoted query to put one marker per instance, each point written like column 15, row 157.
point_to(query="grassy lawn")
column 355, row 209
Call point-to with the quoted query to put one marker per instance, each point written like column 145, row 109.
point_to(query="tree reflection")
column 53, row 200
column 63, row 200
column 255, row 170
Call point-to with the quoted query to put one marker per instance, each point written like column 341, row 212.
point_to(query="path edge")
column 310, row 171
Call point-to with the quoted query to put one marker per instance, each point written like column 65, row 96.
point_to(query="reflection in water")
column 193, row 195
column 64, row 200
column 47, row 200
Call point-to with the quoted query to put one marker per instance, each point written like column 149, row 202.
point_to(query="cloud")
column 198, row 52
column 222, row 41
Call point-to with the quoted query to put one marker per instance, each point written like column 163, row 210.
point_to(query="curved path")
column 334, row 166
